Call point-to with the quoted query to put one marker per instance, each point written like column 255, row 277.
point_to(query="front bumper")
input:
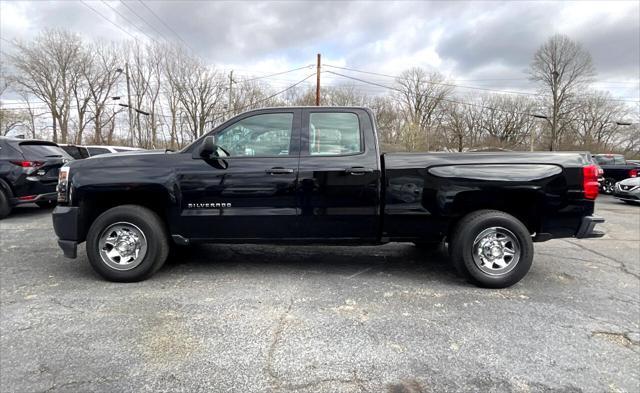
column 50, row 196
column 67, row 224
column 587, row 226
column 629, row 195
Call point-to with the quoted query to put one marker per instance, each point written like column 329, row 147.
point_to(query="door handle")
column 358, row 171
column 279, row 171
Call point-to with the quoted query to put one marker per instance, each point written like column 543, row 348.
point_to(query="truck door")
column 339, row 175
column 251, row 193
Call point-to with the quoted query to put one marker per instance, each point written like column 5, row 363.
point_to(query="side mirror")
column 207, row 148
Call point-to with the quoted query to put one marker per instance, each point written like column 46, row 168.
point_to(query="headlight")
column 63, row 184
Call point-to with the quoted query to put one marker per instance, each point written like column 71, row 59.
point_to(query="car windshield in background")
column 120, row 150
column 611, row 159
column 39, row 151
column 96, row 151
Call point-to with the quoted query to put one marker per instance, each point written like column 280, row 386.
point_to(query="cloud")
column 463, row 40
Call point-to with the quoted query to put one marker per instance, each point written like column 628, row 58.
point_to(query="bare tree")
column 420, row 97
column 201, row 94
column 101, row 77
column 596, row 126
column 46, row 67
column 563, row 68
column 506, row 120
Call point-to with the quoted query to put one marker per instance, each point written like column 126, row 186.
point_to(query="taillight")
column 63, row 184
column 28, row 164
column 633, row 173
column 590, row 181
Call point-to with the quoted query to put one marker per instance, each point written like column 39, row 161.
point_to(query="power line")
column 128, row 21
column 108, row 20
column 453, row 85
column 124, row 3
column 255, row 102
column 441, row 99
column 166, row 25
column 278, row 73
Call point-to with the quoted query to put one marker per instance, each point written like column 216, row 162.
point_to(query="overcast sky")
column 488, row 44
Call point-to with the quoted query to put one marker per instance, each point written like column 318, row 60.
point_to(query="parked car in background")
column 29, row 172
column 96, row 150
column 615, row 169
column 78, row 152
column 303, row 175
column 628, row 190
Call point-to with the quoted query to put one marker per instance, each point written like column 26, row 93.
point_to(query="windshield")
column 34, row 151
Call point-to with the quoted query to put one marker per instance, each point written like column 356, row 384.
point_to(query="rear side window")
column 334, row 134
column 96, row 151
column 32, row 151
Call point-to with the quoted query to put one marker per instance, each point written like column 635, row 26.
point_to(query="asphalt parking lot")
column 247, row 318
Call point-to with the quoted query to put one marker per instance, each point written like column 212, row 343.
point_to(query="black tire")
column 636, row 203
column 608, row 185
column 149, row 224
column 46, row 204
column 5, row 207
column 461, row 248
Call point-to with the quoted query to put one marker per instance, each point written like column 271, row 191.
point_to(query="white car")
column 95, row 150
column 628, row 190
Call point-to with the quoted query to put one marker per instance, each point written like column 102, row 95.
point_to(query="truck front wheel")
column 491, row 248
column 127, row 243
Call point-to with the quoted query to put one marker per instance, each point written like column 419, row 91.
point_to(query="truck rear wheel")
column 127, row 243
column 491, row 249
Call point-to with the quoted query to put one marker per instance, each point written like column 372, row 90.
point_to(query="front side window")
column 260, row 135
column 334, row 134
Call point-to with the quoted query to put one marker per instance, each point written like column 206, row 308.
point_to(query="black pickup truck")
column 315, row 175
column 614, row 169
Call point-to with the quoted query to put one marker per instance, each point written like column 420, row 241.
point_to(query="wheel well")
column 96, row 204
column 523, row 206
column 6, row 187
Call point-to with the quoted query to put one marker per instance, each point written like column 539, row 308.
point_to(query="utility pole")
column 126, row 73
column 318, row 81
column 230, row 107
column 532, row 132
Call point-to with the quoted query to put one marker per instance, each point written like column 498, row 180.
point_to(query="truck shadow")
column 27, row 211
column 401, row 259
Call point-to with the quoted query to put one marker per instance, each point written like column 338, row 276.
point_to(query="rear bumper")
column 66, row 223
column 69, row 248
column 587, row 226
column 50, row 196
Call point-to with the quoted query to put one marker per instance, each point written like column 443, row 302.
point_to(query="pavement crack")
column 621, row 265
column 621, row 338
column 68, row 307
column 277, row 334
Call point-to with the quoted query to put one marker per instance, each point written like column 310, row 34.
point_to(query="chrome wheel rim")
column 496, row 251
column 122, row 246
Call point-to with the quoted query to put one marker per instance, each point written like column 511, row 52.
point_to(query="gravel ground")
column 247, row 318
